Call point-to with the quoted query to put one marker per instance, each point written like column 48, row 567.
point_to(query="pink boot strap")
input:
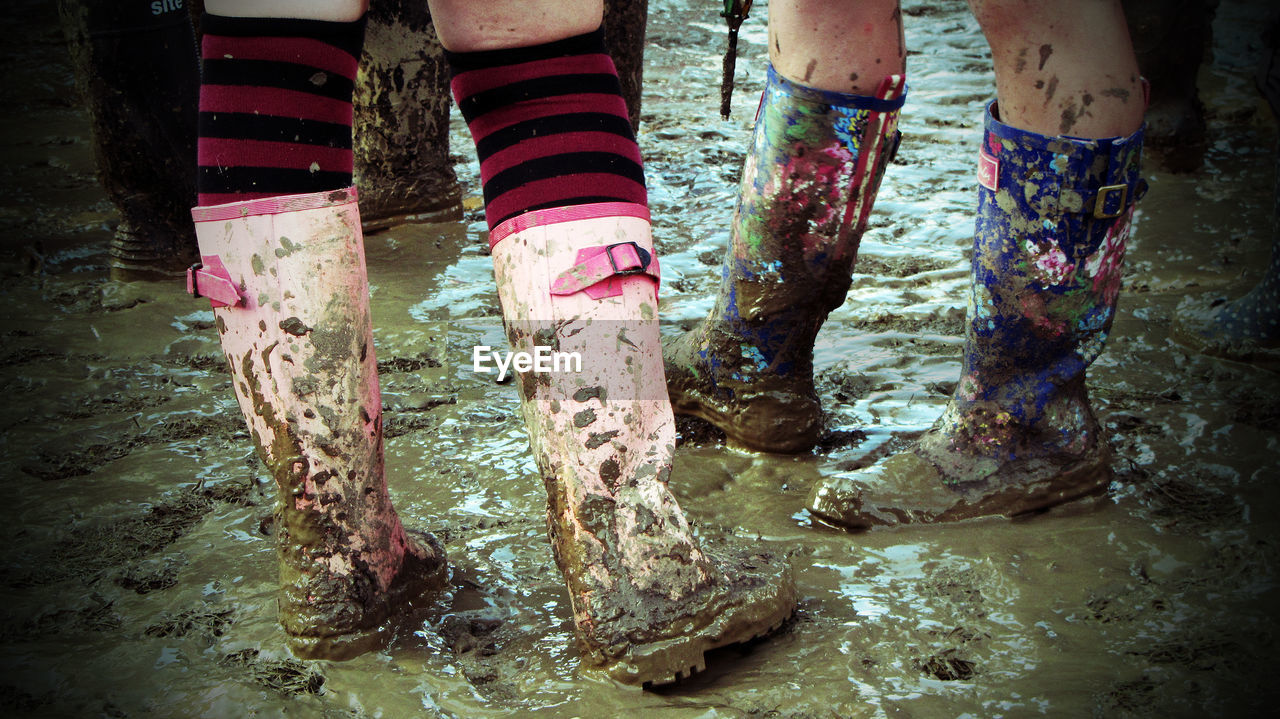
column 599, row 270
column 210, row 278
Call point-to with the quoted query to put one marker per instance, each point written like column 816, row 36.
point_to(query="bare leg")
column 871, row 42
column 330, row 10
column 1063, row 68
column 471, row 25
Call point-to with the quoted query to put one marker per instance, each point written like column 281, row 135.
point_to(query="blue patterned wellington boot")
column 810, row 179
column 1018, row 434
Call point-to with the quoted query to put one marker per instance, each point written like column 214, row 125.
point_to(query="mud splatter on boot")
column 1018, row 434
column 810, row 179
column 648, row 599
column 286, row 276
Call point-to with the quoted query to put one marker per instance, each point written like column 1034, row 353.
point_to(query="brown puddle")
column 138, row 581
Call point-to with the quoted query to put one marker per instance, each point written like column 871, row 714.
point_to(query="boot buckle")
column 1110, row 201
column 597, row 270
column 639, row 266
column 213, row 281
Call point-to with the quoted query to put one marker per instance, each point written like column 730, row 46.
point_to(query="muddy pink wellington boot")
column 810, row 180
column 577, row 277
column 1018, row 434
column 648, row 599
column 286, row 278
column 282, row 262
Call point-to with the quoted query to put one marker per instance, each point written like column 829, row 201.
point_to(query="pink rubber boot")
column 286, row 276
column 648, row 601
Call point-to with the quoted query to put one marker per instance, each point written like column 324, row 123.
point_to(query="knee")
column 468, row 26
column 1003, row 21
column 330, row 10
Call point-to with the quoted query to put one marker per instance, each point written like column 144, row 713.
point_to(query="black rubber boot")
column 137, row 70
column 1171, row 38
column 1246, row 329
column 402, row 103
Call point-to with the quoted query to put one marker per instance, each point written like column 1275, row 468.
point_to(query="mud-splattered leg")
column 1054, row 211
column 837, row 45
column 1063, row 68
column 826, row 130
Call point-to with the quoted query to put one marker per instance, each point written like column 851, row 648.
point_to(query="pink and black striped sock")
column 275, row 107
column 550, row 126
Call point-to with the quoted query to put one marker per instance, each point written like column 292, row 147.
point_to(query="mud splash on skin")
column 1156, row 602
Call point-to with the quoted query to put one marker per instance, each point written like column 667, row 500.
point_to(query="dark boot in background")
column 624, row 26
column 1171, row 39
column 137, row 70
column 401, row 136
column 1246, row 329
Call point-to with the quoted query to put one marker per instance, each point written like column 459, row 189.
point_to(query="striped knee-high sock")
column 550, row 126
column 275, row 107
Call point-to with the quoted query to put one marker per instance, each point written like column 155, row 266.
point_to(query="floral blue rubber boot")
column 808, row 185
column 1018, row 434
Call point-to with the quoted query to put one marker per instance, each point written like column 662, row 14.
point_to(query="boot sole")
column 763, row 605
column 697, row 661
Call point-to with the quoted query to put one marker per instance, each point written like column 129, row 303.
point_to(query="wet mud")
column 138, row 575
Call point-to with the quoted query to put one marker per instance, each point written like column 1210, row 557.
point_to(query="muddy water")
column 138, row 580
